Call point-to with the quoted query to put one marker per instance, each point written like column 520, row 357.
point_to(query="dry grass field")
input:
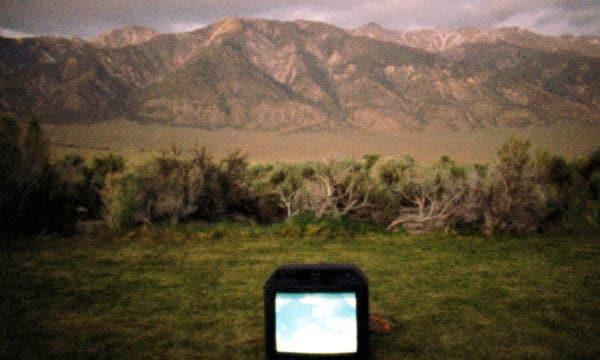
column 138, row 142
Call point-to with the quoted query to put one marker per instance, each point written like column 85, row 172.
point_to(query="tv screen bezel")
column 362, row 316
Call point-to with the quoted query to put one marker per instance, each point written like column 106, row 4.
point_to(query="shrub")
column 570, row 190
column 32, row 196
column 169, row 186
column 223, row 188
column 285, row 185
column 164, row 188
column 268, row 209
column 236, row 194
column 585, row 194
column 426, row 198
column 177, row 188
column 84, row 184
column 122, row 202
column 514, row 197
column 339, row 188
column 323, row 189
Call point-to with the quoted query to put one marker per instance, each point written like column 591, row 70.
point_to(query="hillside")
column 130, row 35
column 287, row 76
column 440, row 40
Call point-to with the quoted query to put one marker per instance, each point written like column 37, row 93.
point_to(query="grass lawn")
column 195, row 291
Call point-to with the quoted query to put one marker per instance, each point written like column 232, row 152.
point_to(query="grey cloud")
column 88, row 17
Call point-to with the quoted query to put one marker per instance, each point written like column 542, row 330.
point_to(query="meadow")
column 195, row 291
column 140, row 142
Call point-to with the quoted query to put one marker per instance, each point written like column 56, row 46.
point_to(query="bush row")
column 518, row 193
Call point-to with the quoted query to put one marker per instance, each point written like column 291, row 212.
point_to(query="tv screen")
column 316, row 311
column 316, row 323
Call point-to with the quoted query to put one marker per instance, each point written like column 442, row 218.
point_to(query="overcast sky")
column 86, row 18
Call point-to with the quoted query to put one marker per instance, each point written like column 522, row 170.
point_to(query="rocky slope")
column 441, row 40
column 258, row 74
column 131, row 35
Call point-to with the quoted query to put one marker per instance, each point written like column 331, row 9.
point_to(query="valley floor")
column 139, row 142
column 195, row 291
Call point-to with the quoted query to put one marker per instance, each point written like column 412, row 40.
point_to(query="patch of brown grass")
column 139, row 142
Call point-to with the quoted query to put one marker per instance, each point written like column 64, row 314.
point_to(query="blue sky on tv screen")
column 323, row 323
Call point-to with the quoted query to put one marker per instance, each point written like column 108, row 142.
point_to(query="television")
column 318, row 311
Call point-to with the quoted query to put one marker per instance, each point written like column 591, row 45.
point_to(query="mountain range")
column 301, row 75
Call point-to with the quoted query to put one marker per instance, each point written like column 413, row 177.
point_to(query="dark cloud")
column 88, row 17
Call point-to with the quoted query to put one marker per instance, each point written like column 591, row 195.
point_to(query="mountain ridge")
column 126, row 36
column 440, row 40
column 300, row 75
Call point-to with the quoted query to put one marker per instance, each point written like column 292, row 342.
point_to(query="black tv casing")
column 327, row 278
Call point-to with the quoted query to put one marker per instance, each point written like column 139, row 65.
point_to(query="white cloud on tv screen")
column 322, row 323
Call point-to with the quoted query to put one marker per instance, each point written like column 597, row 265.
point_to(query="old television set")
column 317, row 312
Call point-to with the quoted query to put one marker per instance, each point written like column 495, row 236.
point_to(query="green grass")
column 195, row 291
